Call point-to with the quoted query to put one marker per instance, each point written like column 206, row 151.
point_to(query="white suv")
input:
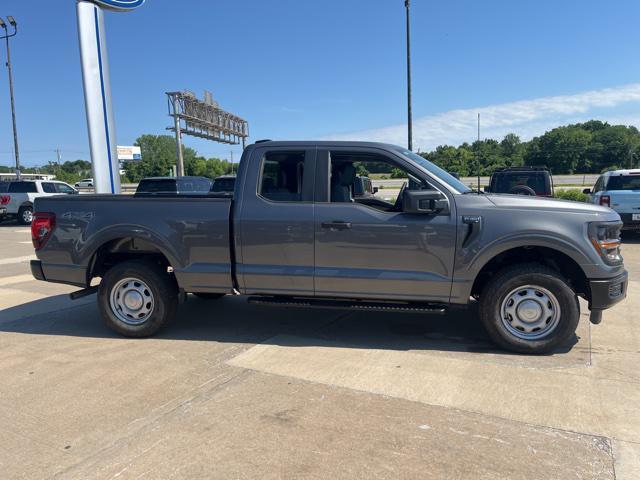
column 16, row 198
column 619, row 190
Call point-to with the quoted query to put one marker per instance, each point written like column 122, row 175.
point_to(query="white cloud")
column 527, row 118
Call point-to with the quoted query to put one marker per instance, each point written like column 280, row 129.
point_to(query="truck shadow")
column 233, row 320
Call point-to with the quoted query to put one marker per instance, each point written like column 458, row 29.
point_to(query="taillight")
column 5, row 199
column 42, row 225
column 605, row 200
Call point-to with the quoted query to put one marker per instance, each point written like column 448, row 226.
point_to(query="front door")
column 367, row 247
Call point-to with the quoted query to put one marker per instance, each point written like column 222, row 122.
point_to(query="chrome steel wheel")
column 530, row 312
column 131, row 300
column 27, row 215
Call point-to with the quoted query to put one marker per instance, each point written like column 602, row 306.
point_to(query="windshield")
column 441, row 174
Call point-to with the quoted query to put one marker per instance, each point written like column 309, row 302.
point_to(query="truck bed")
column 192, row 232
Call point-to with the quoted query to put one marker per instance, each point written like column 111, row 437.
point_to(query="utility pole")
column 478, row 153
column 409, row 114
column 58, row 156
column 6, row 36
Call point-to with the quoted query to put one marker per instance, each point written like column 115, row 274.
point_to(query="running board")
column 370, row 306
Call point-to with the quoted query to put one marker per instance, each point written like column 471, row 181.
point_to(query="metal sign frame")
column 203, row 119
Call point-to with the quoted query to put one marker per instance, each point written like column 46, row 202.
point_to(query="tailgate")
column 625, row 201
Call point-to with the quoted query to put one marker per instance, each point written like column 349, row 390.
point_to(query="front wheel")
column 529, row 309
column 137, row 298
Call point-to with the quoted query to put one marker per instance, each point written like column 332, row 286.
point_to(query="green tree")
column 158, row 156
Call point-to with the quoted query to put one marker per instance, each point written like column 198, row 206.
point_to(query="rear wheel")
column 529, row 309
column 137, row 298
column 25, row 215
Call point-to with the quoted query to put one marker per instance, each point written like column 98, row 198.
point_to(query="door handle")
column 337, row 225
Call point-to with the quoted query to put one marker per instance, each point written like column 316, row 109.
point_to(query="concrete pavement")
column 232, row 390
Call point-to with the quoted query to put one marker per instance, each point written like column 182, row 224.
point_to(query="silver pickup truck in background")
column 294, row 234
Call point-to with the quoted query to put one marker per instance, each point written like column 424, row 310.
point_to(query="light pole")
column 409, row 116
column 7, row 36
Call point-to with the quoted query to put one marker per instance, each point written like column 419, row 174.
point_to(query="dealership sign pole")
column 97, row 90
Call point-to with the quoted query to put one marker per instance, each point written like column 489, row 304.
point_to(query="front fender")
column 470, row 262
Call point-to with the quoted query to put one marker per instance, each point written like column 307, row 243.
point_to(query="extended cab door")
column 370, row 248
column 274, row 222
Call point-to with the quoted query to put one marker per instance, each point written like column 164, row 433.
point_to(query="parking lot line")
column 15, row 279
column 10, row 261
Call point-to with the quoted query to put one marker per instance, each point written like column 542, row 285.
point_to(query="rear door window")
column 48, row 187
column 64, row 188
column 23, row 187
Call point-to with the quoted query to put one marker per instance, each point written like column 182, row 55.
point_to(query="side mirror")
column 587, row 191
column 424, row 201
column 375, row 189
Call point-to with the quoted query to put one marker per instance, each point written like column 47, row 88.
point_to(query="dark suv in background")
column 534, row 181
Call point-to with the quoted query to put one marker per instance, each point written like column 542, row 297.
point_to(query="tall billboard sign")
column 97, row 89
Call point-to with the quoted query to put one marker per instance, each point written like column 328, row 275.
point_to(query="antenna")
column 478, row 154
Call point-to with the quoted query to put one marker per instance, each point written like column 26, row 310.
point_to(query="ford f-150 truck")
column 293, row 234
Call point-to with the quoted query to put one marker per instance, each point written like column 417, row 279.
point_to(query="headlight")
column 605, row 238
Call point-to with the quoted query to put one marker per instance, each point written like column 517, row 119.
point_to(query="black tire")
column 502, row 286
column 25, row 215
column 208, row 296
column 162, row 289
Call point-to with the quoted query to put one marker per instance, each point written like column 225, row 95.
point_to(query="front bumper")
column 628, row 223
column 606, row 293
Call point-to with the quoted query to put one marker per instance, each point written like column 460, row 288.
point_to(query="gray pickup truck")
column 293, row 234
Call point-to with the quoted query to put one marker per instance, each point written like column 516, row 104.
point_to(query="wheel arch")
column 117, row 248
column 555, row 258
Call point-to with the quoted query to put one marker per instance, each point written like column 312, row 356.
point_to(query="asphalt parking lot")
column 231, row 390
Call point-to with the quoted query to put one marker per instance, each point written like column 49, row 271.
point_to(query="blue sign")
column 120, row 5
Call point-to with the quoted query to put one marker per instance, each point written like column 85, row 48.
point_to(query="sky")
column 332, row 69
